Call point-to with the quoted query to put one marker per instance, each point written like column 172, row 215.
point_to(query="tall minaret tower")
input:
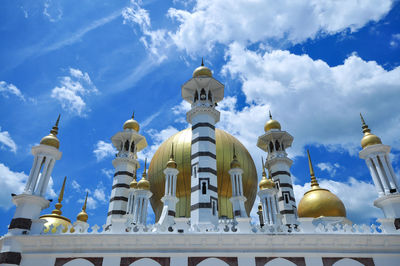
column 237, row 199
column 31, row 202
column 267, row 195
column 274, row 142
column 376, row 155
column 128, row 142
column 203, row 92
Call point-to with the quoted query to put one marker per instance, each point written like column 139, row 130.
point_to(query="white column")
column 381, row 175
column 387, row 172
column 28, row 184
column 376, row 179
column 42, row 177
column 47, row 178
column 392, row 172
column 36, row 173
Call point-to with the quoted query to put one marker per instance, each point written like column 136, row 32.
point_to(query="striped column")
column 124, row 169
column 204, row 193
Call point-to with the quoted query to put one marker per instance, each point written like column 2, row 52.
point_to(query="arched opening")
column 347, row 262
column 271, row 146
column 277, row 145
column 127, row 145
column 212, row 262
column 132, row 147
column 209, row 96
column 145, row 262
column 280, row 262
column 202, row 94
column 79, row 262
column 196, row 96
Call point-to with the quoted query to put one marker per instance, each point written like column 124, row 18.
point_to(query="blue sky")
column 315, row 65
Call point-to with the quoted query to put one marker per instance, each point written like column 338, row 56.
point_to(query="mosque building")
column 202, row 184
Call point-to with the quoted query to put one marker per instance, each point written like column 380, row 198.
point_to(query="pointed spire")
column 364, row 126
column 314, row 182
column 202, row 63
column 133, row 114
column 145, row 166
column 171, row 162
column 82, row 216
column 264, row 174
column 172, row 151
column 235, row 163
column 57, row 210
column 54, row 130
column 270, row 116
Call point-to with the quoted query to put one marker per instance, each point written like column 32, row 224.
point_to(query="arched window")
column 209, row 96
column 127, row 145
column 202, row 94
column 277, row 146
column 203, row 188
column 132, row 147
column 213, row 208
column 271, row 146
column 196, row 96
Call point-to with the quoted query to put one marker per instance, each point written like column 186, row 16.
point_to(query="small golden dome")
column 144, row 183
column 133, row 184
column 171, row 162
column 266, row 183
column 235, row 162
column 83, row 216
column 55, row 218
column 259, row 206
column 369, row 138
column 319, row 202
column 51, row 139
column 202, row 71
column 272, row 124
column 132, row 124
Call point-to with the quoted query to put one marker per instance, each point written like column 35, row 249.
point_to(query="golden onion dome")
column 266, row 183
column 51, row 139
column 55, row 218
column 202, row 71
column 144, row 184
column 171, row 163
column 133, row 184
column 83, row 216
column 182, row 153
column 235, row 162
column 369, row 138
column 319, row 202
column 131, row 124
column 272, row 124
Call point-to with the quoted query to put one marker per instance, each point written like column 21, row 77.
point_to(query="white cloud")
column 314, row 102
column 72, row 91
column 75, row 185
column 107, row 172
column 222, row 21
column 153, row 40
column 8, row 88
column 157, row 137
column 103, row 150
column 95, row 198
column 6, row 140
column 10, row 182
column 357, row 197
column 50, row 189
column 181, row 110
column 52, row 10
column 329, row 167
column 99, row 194
column 394, row 43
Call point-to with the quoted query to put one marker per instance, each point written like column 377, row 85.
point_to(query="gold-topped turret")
column 369, row 138
column 265, row 183
column 202, row 71
column 132, row 124
column 144, row 183
column 51, row 139
column 171, row 162
column 83, row 216
column 272, row 124
column 134, row 182
column 319, row 202
column 235, row 162
column 55, row 218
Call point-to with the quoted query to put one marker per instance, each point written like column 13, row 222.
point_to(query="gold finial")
column 171, row 163
column 202, row 63
column 271, row 124
column 133, row 114
column 264, row 174
column 314, row 182
column 235, row 163
column 57, row 210
column 51, row 139
column 145, row 166
column 369, row 138
column 54, row 130
column 131, row 123
column 144, row 183
column 82, row 216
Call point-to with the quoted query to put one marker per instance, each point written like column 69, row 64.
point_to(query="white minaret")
column 203, row 92
column 169, row 199
column 128, row 142
column 376, row 155
column 131, row 199
column 275, row 141
column 267, row 195
column 31, row 202
column 237, row 199
column 141, row 199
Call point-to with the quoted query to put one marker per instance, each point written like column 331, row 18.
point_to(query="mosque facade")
column 202, row 184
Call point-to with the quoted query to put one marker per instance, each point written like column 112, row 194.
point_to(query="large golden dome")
column 182, row 151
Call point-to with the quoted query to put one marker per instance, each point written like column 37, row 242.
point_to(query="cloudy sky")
column 315, row 64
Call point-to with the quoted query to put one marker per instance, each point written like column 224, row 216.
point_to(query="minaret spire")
column 202, row 63
column 82, row 216
column 314, row 182
column 270, row 116
column 57, row 210
column 54, row 130
column 364, row 126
